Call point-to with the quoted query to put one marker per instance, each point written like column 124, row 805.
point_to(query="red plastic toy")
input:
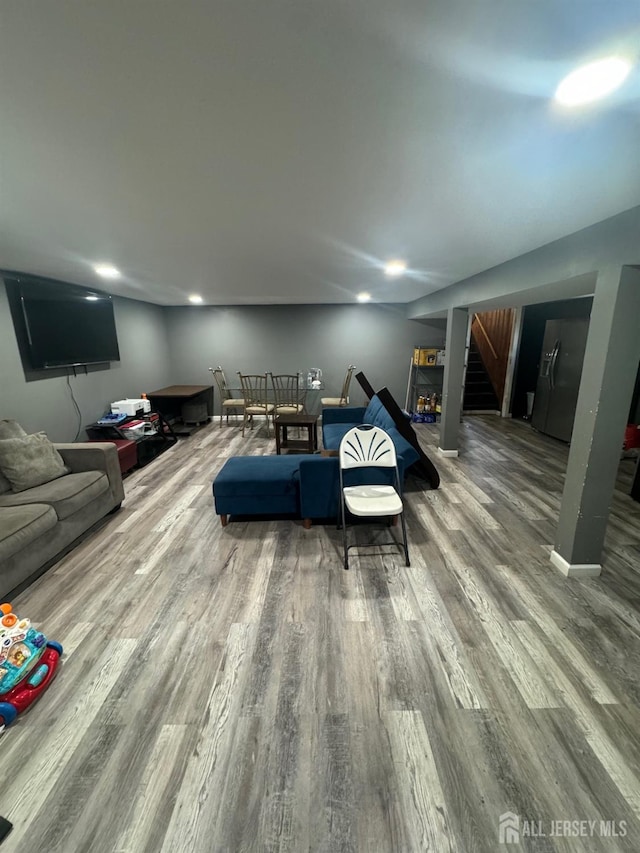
column 28, row 663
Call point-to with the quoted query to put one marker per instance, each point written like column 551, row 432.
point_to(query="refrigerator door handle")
column 547, row 362
column 552, row 364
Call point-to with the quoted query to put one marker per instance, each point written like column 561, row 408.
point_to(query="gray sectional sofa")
column 39, row 523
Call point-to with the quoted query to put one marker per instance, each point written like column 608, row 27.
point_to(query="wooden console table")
column 168, row 401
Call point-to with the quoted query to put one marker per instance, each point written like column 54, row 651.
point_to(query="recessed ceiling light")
column 395, row 268
column 92, row 298
column 363, row 297
column 107, row 271
column 197, row 300
column 592, row 81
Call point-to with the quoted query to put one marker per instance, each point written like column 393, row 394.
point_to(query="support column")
column 608, row 376
column 456, row 339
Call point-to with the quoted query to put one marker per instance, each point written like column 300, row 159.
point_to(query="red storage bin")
column 631, row 436
column 127, row 452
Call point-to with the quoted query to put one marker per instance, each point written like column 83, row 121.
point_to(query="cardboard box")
column 425, row 356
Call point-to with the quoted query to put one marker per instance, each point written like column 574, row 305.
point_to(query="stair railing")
column 488, row 339
column 494, row 357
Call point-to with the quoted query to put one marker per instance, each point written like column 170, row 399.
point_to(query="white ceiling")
column 278, row 151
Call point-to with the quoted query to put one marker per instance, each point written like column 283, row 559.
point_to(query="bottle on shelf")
column 421, row 404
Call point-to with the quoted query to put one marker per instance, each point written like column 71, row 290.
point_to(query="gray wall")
column 161, row 346
column 560, row 270
column 46, row 404
column 377, row 338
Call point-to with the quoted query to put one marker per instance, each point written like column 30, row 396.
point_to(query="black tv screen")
column 67, row 325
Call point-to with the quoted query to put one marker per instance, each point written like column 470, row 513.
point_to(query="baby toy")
column 27, row 664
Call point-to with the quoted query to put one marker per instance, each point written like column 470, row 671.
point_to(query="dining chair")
column 254, row 394
column 288, row 397
column 343, row 399
column 369, row 449
column 227, row 402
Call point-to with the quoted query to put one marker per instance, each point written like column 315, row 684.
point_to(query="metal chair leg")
column 345, row 547
column 404, row 540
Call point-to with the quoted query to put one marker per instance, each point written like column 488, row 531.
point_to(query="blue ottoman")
column 258, row 485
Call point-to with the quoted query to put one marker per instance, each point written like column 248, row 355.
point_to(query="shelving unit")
column 148, row 446
column 424, row 379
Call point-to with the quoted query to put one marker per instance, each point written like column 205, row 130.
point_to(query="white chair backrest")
column 367, row 446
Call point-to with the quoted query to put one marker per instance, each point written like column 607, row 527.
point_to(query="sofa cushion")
column 29, row 461
column 404, row 450
column 258, row 475
column 377, row 415
column 66, row 494
column 332, row 434
column 21, row 525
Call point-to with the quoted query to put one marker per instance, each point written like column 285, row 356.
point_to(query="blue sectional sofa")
column 307, row 486
column 320, row 482
column 336, row 422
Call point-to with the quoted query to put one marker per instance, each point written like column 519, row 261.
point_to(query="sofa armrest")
column 95, row 456
column 343, row 415
column 319, row 487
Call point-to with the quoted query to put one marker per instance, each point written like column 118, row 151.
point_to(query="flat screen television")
column 66, row 325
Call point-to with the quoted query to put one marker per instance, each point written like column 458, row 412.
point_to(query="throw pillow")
column 8, row 429
column 29, row 461
column 11, row 429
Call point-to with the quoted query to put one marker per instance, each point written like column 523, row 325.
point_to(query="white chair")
column 343, row 399
column 254, row 394
column 369, row 447
column 227, row 402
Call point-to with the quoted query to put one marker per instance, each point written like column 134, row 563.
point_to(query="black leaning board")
column 365, row 384
column 5, row 828
column 424, row 467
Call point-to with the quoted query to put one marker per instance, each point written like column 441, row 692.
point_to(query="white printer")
column 131, row 408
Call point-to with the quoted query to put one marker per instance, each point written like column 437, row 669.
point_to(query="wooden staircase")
column 479, row 395
column 487, row 360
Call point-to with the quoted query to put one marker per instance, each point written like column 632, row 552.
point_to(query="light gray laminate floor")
column 236, row 690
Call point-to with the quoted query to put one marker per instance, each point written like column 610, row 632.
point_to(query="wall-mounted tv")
column 66, row 325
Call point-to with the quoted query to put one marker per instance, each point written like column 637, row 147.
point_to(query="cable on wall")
column 77, row 408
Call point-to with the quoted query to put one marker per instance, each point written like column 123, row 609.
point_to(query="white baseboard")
column 575, row 570
column 447, row 452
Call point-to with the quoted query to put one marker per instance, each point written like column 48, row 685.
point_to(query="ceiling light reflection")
column 592, row 81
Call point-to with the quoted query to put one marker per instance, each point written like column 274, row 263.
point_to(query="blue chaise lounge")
column 306, row 485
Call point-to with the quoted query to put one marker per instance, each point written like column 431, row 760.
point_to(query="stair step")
column 478, row 391
column 481, row 398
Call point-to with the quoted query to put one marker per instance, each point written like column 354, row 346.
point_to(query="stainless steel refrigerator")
column 563, row 347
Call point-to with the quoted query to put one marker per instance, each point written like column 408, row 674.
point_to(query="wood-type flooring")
column 234, row 689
